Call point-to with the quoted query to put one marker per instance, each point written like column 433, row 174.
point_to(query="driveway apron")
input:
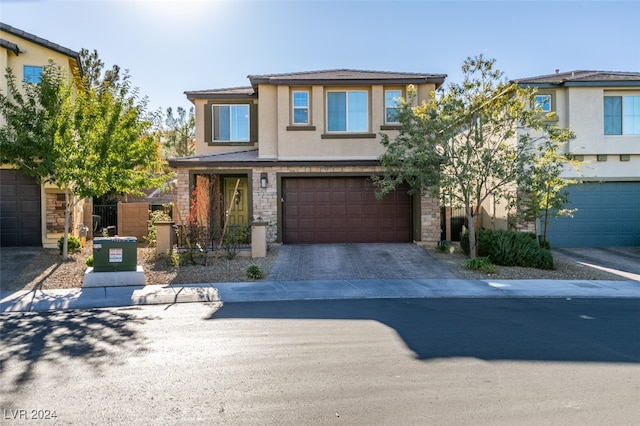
column 355, row 262
column 13, row 260
column 615, row 259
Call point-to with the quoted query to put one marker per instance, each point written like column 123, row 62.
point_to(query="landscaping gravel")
column 48, row 271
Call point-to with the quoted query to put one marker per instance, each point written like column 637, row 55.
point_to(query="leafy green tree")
column 85, row 134
column 178, row 139
column 542, row 191
column 467, row 141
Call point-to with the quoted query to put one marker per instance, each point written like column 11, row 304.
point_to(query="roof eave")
column 192, row 162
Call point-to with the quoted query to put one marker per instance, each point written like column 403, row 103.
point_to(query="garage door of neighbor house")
column 608, row 215
column 343, row 210
column 20, row 215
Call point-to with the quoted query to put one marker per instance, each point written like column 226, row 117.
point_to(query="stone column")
column 164, row 237
column 259, row 239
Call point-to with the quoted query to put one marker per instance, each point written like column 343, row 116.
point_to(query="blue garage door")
column 608, row 215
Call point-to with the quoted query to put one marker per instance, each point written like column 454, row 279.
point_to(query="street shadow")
column 31, row 340
column 576, row 330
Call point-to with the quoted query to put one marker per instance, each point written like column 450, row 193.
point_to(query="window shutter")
column 253, row 123
column 208, row 131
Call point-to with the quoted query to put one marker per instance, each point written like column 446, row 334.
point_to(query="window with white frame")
column 300, row 105
column 348, row 111
column 622, row 115
column 230, row 123
column 391, row 106
column 31, row 74
column 543, row 102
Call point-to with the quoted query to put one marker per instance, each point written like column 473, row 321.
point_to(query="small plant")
column 444, row 247
column 253, row 272
column 89, row 261
column 173, row 258
column 482, row 264
column 73, row 244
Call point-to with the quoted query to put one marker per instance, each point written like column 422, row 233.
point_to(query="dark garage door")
column 343, row 210
column 20, row 223
column 608, row 215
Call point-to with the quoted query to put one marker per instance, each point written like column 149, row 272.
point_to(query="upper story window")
column 32, row 74
column 230, row 123
column 300, row 105
column 543, row 102
column 391, row 106
column 622, row 115
column 348, row 111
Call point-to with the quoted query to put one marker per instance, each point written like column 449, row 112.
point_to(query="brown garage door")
column 343, row 210
column 20, row 223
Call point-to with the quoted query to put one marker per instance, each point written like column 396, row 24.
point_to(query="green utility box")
column 115, row 254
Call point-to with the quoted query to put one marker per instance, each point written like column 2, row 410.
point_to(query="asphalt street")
column 379, row 361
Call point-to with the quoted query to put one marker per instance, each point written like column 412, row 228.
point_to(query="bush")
column 73, row 244
column 89, row 261
column 510, row 248
column 481, row 264
column 444, row 246
column 253, row 272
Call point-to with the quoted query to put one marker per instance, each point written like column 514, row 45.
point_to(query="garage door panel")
column 20, row 214
column 608, row 214
column 344, row 209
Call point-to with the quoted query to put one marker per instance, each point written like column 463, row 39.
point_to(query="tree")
column 468, row 141
column 178, row 139
column 542, row 191
column 85, row 134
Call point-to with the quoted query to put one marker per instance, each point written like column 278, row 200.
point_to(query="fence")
column 456, row 221
column 104, row 215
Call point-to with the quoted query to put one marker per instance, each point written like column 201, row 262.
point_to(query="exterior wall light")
column 263, row 180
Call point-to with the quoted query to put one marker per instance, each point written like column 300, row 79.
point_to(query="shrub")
column 444, row 246
column 510, row 248
column 73, row 244
column 253, row 272
column 482, row 264
column 89, row 261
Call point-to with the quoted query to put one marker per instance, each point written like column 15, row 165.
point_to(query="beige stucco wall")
column 277, row 140
column 585, row 112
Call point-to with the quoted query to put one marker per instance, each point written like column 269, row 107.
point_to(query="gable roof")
column 347, row 76
column 583, row 78
column 38, row 40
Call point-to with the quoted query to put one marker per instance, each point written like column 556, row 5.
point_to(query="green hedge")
column 510, row 248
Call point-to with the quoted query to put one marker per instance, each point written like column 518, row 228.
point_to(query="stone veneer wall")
column 265, row 200
column 55, row 207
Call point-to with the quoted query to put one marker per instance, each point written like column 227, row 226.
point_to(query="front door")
column 236, row 206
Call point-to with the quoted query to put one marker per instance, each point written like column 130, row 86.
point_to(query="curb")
column 267, row 291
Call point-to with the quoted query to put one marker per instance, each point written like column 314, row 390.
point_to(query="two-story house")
column 31, row 214
column 603, row 109
column 300, row 149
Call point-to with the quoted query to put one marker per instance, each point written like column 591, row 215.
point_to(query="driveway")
column 622, row 261
column 13, row 260
column 355, row 262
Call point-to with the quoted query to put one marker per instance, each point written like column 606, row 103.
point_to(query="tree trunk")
column 67, row 213
column 471, row 229
column 546, row 218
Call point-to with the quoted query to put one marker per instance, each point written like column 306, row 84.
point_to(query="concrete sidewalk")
column 103, row 297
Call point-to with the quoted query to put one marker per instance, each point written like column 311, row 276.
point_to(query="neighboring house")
column 603, row 109
column 302, row 148
column 31, row 214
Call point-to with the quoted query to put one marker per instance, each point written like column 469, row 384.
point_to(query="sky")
column 174, row 46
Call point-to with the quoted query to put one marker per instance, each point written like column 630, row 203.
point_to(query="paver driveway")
column 355, row 261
